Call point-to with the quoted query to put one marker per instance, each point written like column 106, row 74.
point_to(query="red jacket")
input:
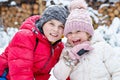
column 25, row 63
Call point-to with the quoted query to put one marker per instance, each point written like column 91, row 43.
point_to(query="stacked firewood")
column 111, row 12
column 13, row 16
column 107, row 10
column 42, row 4
column 95, row 5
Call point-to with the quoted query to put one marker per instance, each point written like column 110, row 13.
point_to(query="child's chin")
column 52, row 41
column 76, row 43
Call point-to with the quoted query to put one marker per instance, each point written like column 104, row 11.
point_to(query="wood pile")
column 111, row 11
column 42, row 4
column 94, row 5
column 13, row 16
column 108, row 12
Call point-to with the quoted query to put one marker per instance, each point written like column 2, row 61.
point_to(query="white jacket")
column 99, row 64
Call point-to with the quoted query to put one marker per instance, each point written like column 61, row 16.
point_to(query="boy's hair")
column 57, row 12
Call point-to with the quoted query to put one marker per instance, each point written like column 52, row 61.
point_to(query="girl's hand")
column 79, row 50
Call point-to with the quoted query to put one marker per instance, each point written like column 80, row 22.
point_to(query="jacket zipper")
column 48, row 59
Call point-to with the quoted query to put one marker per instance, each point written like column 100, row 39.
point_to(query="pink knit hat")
column 79, row 18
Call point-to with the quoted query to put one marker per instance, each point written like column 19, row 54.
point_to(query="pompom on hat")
column 79, row 18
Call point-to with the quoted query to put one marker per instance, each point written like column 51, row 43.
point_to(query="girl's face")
column 53, row 30
column 77, row 37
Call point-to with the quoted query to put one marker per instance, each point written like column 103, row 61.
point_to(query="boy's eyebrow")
column 60, row 24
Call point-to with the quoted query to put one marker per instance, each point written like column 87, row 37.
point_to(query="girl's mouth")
column 76, row 41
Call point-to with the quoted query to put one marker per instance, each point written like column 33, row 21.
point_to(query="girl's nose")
column 73, row 35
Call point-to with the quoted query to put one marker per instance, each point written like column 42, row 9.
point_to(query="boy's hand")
column 79, row 49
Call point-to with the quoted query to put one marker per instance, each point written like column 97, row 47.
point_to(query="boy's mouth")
column 54, row 35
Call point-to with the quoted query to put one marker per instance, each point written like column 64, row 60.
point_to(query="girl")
column 86, row 56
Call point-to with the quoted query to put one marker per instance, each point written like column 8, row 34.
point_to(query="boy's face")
column 53, row 30
column 77, row 37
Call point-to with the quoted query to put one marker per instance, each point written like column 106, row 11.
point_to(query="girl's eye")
column 78, row 31
column 69, row 33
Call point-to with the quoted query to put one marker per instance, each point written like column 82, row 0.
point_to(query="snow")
column 3, row 0
column 5, row 37
column 104, row 5
column 64, row 2
column 112, row 33
column 94, row 14
column 109, row 0
column 13, row 3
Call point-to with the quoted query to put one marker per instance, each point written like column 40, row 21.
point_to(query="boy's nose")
column 56, row 29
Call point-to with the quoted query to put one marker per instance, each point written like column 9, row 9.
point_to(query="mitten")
column 79, row 50
column 3, row 78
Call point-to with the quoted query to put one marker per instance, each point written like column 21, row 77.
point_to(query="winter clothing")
column 78, row 18
column 101, row 63
column 59, row 13
column 30, row 55
column 77, row 4
column 25, row 63
column 83, row 46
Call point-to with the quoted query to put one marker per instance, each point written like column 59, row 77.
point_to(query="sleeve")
column 112, row 62
column 3, row 61
column 20, row 56
column 61, row 71
column 52, row 77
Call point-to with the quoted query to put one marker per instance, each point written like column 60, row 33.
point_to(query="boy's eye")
column 61, row 27
column 51, row 24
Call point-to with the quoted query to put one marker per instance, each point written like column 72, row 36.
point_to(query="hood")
column 29, row 23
